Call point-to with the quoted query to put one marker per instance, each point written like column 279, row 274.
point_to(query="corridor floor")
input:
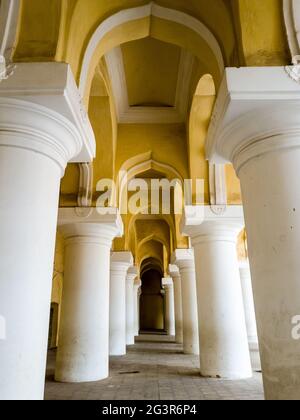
column 154, row 369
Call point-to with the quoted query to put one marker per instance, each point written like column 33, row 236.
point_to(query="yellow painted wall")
column 242, row 246
column 234, row 194
column 167, row 142
column 263, row 32
column 39, row 30
column 57, row 286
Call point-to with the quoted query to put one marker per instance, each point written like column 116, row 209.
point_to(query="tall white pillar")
column 174, row 273
column 250, row 317
column 136, row 297
column 184, row 259
column 130, row 330
column 120, row 263
column 41, row 129
column 169, row 306
column 258, row 129
column 222, row 327
column 83, row 346
column 248, row 301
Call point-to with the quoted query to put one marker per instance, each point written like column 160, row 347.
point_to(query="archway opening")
column 152, row 319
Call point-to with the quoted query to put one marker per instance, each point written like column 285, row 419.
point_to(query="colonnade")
column 39, row 136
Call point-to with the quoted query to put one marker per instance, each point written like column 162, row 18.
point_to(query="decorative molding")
column 127, row 114
column 9, row 15
column 85, row 194
column 254, row 104
column 294, row 70
column 291, row 10
column 90, row 223
column 6, row 70
column 138, row 13
column 51, row 88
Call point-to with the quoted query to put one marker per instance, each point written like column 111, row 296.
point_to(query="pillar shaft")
column 130, row 330
column 273, row 230
column 36, row 142
column 257, row 129
column 136, row 298
column 174, row 272
column 223, row 336
column 248, row 301
column 83, row 347
column 120, row 263
column 169, row 306
column 250, row 316
column 184, row 259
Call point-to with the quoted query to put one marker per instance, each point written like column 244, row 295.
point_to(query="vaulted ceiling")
column 151, row 69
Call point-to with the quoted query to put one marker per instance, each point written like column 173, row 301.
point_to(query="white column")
column 250, row 317
column 130, row 331
column 139, row 307
column 174, row 273
column 222, row 327
column 136, row 297
column 83, row 346
column 184, row 259
column 169, row 306
column 248, row 301
column 120, row 263
column 38, row 136
column 259, row 131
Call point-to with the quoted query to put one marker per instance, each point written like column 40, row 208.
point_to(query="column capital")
column 212, row 226
column 120, row 261
column 167, row 282
column 87, row 224
column 174, row 270
column 41, row 110
column 257, row 111
column 184, row 259
column 137, row 283
column 132, row 274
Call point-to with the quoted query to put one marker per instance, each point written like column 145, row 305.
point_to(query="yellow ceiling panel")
column 151, row 69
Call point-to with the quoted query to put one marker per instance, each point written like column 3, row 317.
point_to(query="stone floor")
column 154, row 369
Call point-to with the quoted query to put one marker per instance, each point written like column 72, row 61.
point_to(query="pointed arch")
column 150, row 20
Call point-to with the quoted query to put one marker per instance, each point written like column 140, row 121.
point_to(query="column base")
column 81, row 379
